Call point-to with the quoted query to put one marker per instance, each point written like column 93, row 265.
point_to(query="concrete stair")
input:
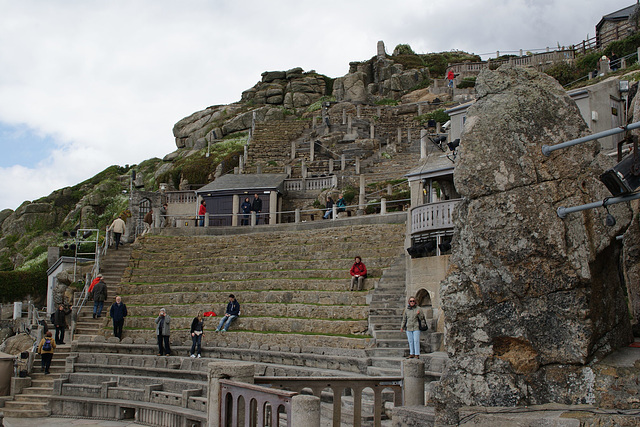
column 33, row 402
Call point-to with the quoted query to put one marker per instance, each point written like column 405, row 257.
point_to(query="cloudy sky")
column 85, row 84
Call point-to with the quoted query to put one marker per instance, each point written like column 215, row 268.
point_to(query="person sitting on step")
column 232, row 312
column 358, row 274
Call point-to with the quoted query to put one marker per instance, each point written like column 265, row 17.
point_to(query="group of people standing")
column 249, row 206
column 163, row 328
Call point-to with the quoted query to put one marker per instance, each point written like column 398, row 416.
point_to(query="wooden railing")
column 433, row 216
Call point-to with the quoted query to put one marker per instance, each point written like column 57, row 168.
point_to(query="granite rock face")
column 531, row 299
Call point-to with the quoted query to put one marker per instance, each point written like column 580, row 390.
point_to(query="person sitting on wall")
column 358, row 274
column 245, row 207
column 329, row 207
column 341, row 204
column 231, row 313
column 201, row 211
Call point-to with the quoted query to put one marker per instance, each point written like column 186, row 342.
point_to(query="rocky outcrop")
column 531, row 299
column 376, row 79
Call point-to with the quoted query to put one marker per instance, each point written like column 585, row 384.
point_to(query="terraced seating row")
column 292, row 285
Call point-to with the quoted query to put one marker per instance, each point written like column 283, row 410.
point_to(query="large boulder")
column 531, row 300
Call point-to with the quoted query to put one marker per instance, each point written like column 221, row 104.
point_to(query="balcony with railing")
column 433, row 217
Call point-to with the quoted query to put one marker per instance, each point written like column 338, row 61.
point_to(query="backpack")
column 47, row 345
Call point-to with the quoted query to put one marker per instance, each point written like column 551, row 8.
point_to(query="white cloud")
column 107, row 80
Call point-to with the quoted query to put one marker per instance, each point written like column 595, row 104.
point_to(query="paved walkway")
column 65, row 422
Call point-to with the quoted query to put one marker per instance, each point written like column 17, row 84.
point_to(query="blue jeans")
column 196, row 344
column 226, row 321
column 200, row 221
column 414, row 342
column 97, row 307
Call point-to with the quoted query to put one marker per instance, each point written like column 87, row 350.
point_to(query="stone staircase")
column 270, row 145
column 33, row 402
column 112, row 269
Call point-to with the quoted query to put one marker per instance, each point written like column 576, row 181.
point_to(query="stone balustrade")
column 433, row 216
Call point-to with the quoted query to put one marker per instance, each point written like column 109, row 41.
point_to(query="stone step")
column 41, row 383
column 388, row 352
column 374, row 371
column 26, row 413
column 37, row 390
column 38, row 398
column 395, row 343
column 391, row 334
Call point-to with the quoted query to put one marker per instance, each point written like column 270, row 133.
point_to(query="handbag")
column 422, row 324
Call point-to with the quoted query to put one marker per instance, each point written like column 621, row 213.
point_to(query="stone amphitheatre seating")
column 292, row 284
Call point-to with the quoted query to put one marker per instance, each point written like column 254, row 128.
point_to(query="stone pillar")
column 53, row 254
column 423, row 144
column 253, row 218
column 297, row 216
column 389, row 189
column 379, row 111
column 383, row 206
column 312, row 150
column 259, row 169
column 305, row 411
column 361, row 196
column 413, row 382
column 349, row 124
column 409, row 135
column 399, row 135
column 304, row 169
column 234, row 210
column 372, row 131
column 313, row 122
column 359, row 108
column 419, row 109
column 234, row 371
column 331, row 166
column 343, row 162
column 293, row 150
column 380, row 49
column 206, row 219
column 334, row 212
column 344, row 116
column 273, row 207
column 357, row 165
column 236, row 170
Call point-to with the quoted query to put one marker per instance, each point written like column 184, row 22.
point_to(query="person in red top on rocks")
column 358, row 274
column 201, row 212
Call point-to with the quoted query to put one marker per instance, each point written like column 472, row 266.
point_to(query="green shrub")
column 386, row 101
column 467, row 82
column 349, row 193
column 17, row 285
column 403, row 49
column 438, row 115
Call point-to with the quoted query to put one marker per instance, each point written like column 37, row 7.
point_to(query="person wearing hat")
column 163, row 322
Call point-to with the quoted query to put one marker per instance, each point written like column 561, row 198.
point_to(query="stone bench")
column 355, row 361
column 119, row 409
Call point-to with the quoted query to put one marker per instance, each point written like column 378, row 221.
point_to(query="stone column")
column 359, row 108
column 389, row 189
column 206, row 219
column 423, row 144
column 343, row 162
column 372, row 131
column 357, row 165
column 334, row 212
column 273, row 207
column 293, row 149
column 383, row 206
column 312, row 150
column 413, row 382
column 297, row 216
column 234, row 210
column 379, row 112
column 331, row 166
column 344, row 116
column 409, row 135
column 259, row 169
column 304, row 169
column 234, row 371
column 305, row 411
column 419, row 109
column 399, row 135
column 349, row 124
column 253, row 218
column 361, row 196
column 287, row 170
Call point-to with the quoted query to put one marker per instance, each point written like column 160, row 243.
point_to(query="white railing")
column 305, row 184
column 174, row 197
column 433, row 216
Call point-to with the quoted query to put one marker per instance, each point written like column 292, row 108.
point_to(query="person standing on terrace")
column 197, row 331
column 201, row 212
column 163, row 330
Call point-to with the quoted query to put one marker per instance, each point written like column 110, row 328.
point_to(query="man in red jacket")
column 358, row 273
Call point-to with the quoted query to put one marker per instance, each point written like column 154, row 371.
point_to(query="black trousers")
column 163, row 345
column 117, row 236
column 59, row 334
column 46, row 361
column 117, row 328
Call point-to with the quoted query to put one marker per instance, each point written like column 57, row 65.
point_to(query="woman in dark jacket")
column 197, row 330
column 411, row 325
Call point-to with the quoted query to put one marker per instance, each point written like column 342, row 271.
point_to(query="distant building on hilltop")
column 616, row 25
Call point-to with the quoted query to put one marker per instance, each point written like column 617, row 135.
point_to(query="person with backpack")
column 46, row 348
column 60, row 322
